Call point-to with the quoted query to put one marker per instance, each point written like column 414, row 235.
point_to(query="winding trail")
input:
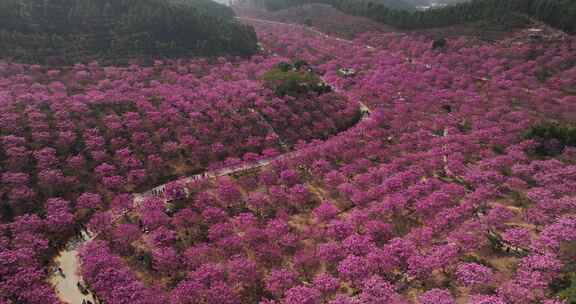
column 68, row 259
column 66, row 283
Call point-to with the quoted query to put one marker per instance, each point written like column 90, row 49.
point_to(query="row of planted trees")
column 441, row 196
column 128, row 129
column 74, row 142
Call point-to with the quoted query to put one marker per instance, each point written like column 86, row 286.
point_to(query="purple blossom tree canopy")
column 472, row 274
column 280, row 280
column 303, row 295
column 436, row 296
column 89, row 201
column 59, row 219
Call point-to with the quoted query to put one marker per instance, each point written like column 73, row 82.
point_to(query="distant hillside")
column 69, row 30
column 428, row 4
column 225, row 2
column 323, row 17
column 557, row 13
column 282, row 4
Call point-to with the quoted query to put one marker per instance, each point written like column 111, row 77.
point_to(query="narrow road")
column 66, row 283
column 159, row 191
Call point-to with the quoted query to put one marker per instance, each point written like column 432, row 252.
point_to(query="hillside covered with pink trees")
column 381, row 170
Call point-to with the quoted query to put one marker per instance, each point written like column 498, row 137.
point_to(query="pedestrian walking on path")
column 61, row 272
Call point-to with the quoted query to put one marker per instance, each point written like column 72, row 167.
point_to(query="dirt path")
column 66, row 285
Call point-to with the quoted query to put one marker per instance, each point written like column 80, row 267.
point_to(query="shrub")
column 294, row 80
column 551, row 137
column 569, row 292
